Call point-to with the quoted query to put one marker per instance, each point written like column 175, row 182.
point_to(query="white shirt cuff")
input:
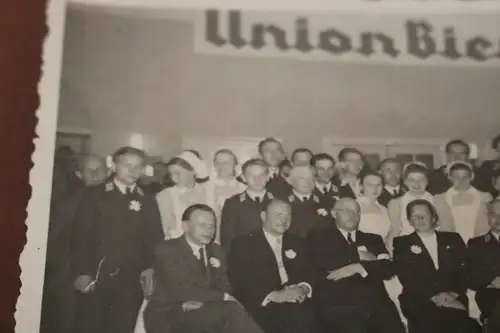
column 384, row 256
column 309, row 288
column 363, row 273
column 266, row 300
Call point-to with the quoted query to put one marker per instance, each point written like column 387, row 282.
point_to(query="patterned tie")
column 349, row 238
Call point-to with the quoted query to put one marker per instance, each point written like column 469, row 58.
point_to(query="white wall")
column 124, row 76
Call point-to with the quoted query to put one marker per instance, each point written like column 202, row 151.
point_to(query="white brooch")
column 416, row 249
column 214, row 262
column 291, row 198
column 290, row 254
column 316, row 199
column 322, row 212
column 134, row 205
column 242, row 197
column 109, row 187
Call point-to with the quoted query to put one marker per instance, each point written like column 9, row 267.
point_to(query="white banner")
column 419, row 39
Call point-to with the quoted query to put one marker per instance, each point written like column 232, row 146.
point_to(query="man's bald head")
column 92, row 170
column 302, row 179
column 347, row 214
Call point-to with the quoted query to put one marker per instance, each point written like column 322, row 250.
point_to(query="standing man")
column 192, row 293
column 117, row 227
column 391, row 172
column 489, row 168
column 307, row 210
column 351, row 165
column 271, row 151
column 241, row 213
column 324, row 165
column 301, row 156
column 272, row 275
column 58, row 307
column 351, row 296
column 484, row 265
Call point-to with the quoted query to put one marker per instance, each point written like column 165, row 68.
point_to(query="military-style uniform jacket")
column 241, row 215
column 115, row 233
column 308, row 213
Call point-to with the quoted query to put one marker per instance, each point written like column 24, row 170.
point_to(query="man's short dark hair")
column 265, row 142
column 421, row 202
column 253, row 162
column 321, row 157
column 349, row 150
column 300, row 151
column 186, row 216
column 388, row 160
column 495, row 142
column 128, row 151
column 455, row 142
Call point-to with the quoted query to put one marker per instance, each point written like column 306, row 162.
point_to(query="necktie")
column 349, row 238
column 257, row 200
column 279, row 260
column 394, row 192
column 128, row 191
column 305, row 199
column 201, row 256
column 325, row 190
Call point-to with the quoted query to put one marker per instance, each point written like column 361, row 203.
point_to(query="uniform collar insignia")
column 109, row 187
column 270, row 195
column 315, row 198
column 334, row 188
column 242, row 197
column 291, row 198
column 140, row 191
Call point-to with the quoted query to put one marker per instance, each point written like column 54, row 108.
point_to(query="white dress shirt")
column 196, row 250
column 430, row 243
column 123, row 187
column 276, row 244
column 345, row 233
column 322, row 187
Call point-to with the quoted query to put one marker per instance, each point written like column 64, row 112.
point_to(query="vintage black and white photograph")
column 225, row 170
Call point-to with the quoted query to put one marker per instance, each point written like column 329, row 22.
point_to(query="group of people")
column 312, row 244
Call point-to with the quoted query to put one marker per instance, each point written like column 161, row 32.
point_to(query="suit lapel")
column 442, row 250
column 192, row 262
column 268, row 257
column 425, row 256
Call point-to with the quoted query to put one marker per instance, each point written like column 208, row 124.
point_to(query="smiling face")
column 416, row 183
column 421, row 219
column 372, row 186
column 277, row 217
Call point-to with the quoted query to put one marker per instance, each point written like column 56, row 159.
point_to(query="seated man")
column 351, row 296
column 192, row 290
column 271, row 274
column 484, row 268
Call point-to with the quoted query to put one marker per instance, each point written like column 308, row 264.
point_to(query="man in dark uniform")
column 484, row 269
column 241, row 212
column 352, row 164
column 456, row 151
column 59, row 294
column 324, row 189
column 117, row 227
column 307, row 210
column 391, row 171
column 271, row 151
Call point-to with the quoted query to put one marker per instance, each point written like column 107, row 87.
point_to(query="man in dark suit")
column 272, row 152
column 325, row 190
column 241, row 212
column 350, row 296
column 456, row 151
column 307, row 210
column 484, row 268
column 489, row 168
column 192, row 294
column 116, row 229
column 301, row 156
column 391, row 171
column 58, row 305
column 272, row 276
